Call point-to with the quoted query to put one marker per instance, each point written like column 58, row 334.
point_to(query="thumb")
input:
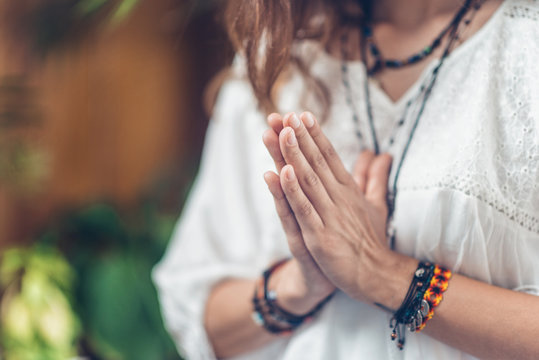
column 377, row 179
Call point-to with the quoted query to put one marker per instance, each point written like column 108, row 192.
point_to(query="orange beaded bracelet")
column 433, row 295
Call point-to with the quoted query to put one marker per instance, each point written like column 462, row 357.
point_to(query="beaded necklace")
column 424, row 94
column 380, row 63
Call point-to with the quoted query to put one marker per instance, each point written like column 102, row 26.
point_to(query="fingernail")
column 294, row 121
column 309, row 120
column 291, row 139
column 290, row 174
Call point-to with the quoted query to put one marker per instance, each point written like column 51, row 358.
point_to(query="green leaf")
column 124, row 9
column 13, row 260
column 86, row 7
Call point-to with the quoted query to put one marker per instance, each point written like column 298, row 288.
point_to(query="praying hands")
column 335, row 222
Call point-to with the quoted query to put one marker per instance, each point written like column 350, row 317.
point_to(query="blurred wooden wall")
column 120, row 109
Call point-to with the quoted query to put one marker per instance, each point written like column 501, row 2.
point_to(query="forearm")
column 481, row 319
column 228, row 318
column 228, row 321
column 487, row 321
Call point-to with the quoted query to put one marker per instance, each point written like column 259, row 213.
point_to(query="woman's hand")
column 342, row 221
column 300, row 283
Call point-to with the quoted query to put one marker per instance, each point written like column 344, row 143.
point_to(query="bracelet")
column 268, row 314
column 263, row 314
column 433, row 295
column 423, row 295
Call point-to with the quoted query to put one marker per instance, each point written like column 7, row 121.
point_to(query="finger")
column 304, row 211
column 361, row 169
column 309, row 181
column 377, row 179
column 288, row 220
column 275, row 121
column 310, row 150
column 271, row 140
column 332, row 158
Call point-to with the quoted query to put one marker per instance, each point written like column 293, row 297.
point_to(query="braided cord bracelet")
column 433, row 295
column 268, row 314
column 424, row 294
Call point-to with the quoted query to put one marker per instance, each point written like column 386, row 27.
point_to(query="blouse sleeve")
column 218, row 235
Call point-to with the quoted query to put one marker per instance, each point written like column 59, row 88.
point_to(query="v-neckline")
column 454, row 55
column 408, row 95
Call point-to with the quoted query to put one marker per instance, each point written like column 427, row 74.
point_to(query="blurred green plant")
column 101, row 302
column 56, row 22
column 38, row 321
column 41, row 26
column 122, row 7
column 113, row 253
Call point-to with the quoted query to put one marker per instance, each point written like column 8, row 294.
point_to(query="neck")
column 410, row 13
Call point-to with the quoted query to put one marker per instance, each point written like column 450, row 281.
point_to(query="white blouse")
column 468, row 194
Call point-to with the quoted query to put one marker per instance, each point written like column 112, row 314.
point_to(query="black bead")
column 367, row 31
column 393, row 63
column 374, row 50
column 415, row 58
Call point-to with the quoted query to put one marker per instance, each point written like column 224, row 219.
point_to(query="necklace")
column 423, row 96
column 380, row 63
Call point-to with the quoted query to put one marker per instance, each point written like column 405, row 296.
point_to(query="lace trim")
column 523, row 9
column 488, row 197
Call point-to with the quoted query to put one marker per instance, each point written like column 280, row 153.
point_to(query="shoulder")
column 519, row 27
column 514, row 50
column 235, row 101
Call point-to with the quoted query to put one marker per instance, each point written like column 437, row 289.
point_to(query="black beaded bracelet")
column 414, row 308
column 269, row 314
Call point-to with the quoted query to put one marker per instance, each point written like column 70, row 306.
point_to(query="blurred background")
column 102, row 118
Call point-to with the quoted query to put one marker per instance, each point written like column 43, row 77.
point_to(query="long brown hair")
column 263, row 31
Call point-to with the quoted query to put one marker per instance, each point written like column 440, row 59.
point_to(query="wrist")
column 295, row 295
column 395, row 271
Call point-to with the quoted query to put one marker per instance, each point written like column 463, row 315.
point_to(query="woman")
column 453, row 254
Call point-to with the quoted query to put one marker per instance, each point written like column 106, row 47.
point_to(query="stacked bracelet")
column 433, row 295
column 424, row 294
column 268, row 314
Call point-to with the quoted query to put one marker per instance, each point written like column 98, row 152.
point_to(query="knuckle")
column 300, row 132
column 315, row 132
column 279, row 197
column 329, row 152
column 319, row 161
column 305, row 208
column 292, row 152
column 311, row 179
column 285, row 215
column 293, row 189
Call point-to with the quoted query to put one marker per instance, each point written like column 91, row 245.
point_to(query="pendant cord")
column 368, row 96
column 426, row 91
column 452, row 38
